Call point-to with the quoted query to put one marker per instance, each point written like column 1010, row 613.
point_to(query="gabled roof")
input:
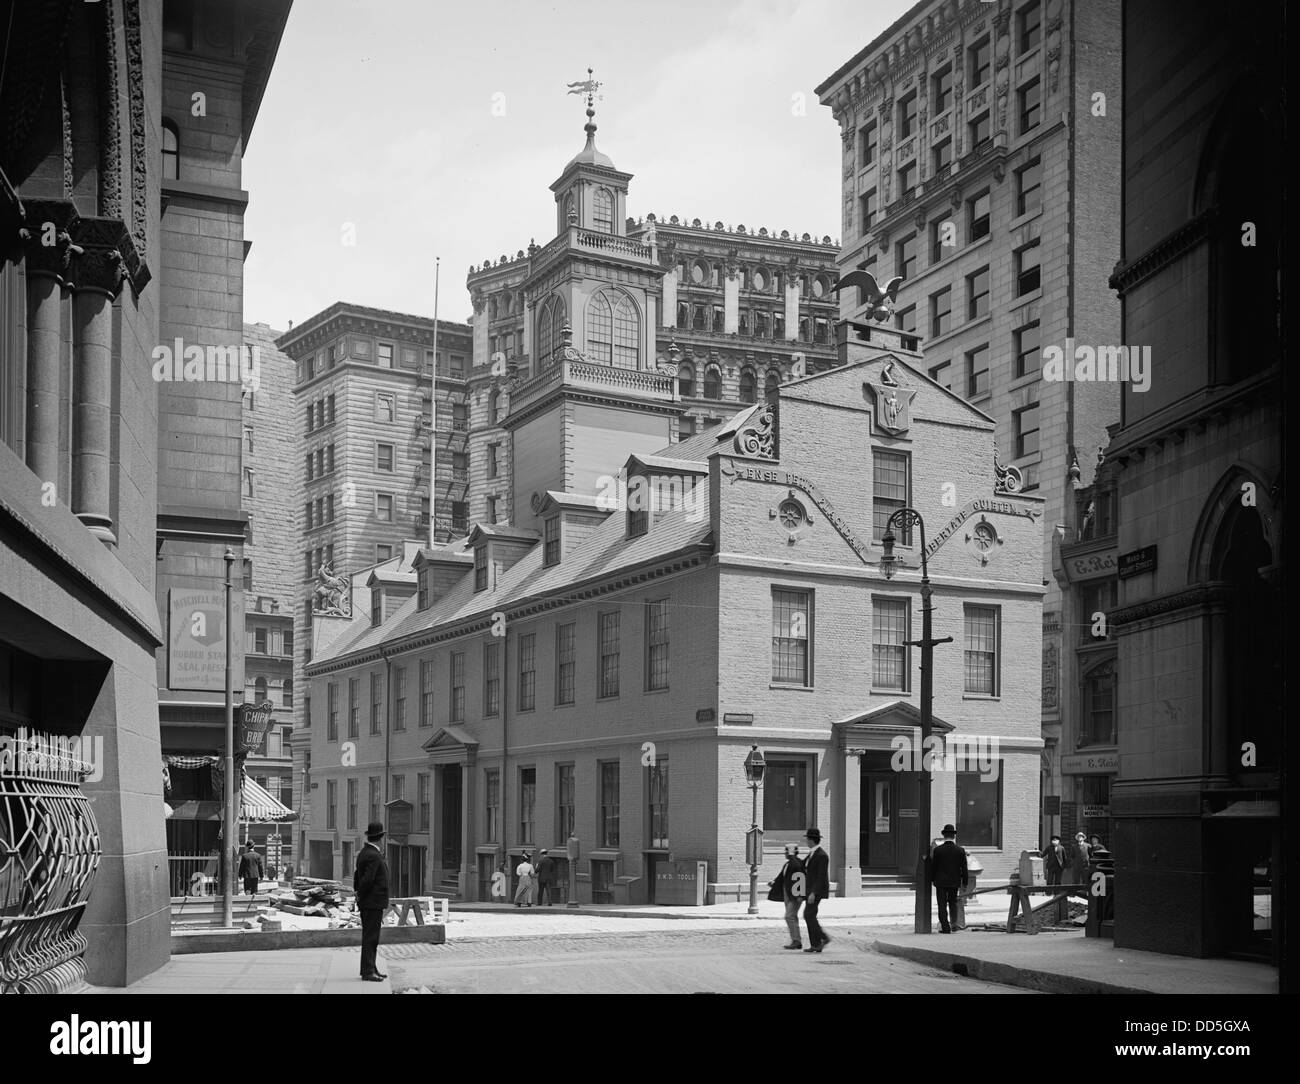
column 583, row 502
column 604, row 553
column 488, row 531
column 882, row 715
column 663, row 463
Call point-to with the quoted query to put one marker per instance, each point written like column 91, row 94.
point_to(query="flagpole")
column 433, row 412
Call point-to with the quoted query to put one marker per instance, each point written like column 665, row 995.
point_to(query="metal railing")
column 193, row 875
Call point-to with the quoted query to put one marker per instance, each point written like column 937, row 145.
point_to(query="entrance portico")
column 879, row 804
column 453, row 754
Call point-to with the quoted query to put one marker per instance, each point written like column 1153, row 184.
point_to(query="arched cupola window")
column 613, row 331
column 602, row 210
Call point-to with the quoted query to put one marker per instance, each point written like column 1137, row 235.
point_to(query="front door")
column 880, row 822
column 449, row 816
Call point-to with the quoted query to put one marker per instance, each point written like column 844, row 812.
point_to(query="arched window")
column 683, row 314
column 1097, row 726
column 259, row 690
column 613, row 330
column 686, row 380
column 288, row 692
column 545, row 336
column 494, row 406
column 602, row 210
column 773, row 382
column 748, row 386
column 559, row 317
column 171, row 151
column 712, row 383
column 568, row 209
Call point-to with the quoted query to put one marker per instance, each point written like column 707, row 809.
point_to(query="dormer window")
column 551, row 542
column 423, row 580
column 638, row 506
column 480, row 568
column 377, row 606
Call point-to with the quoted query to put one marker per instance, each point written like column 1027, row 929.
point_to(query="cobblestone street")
column 720, row 959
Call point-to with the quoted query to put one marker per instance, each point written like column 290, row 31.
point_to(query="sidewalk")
column 1070, row 963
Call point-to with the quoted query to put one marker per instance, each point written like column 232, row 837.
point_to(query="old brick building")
column 512, row 696
column 1201, row 664
column 980, row 151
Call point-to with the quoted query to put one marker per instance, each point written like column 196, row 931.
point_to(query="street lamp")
column 574, row 850
column 755, row 767
column 228, row 799
column 906, row 518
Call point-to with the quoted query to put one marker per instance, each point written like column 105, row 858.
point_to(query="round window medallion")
column 791, row 514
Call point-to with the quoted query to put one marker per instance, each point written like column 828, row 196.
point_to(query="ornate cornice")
column 1126, row 276
column 1196, row 597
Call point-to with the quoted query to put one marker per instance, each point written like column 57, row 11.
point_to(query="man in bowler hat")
column 371, row 884
column 818, row 885
column 788, row 888
column 949, row 872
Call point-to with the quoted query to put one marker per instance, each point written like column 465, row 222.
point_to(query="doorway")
column 449, row 816
column 879, row 824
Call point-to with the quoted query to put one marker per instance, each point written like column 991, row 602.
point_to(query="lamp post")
column 574, row 850
column 228, row 817
column 755, row 767
column 906, row 518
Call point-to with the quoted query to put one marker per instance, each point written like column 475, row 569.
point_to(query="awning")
column 258, row 805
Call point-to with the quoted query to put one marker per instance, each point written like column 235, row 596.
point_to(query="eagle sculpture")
column 880, row 301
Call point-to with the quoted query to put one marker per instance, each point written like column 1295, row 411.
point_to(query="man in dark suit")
column 546, row 878
column 789, row 888
column 818, row 886
column 250, row 869
column 949, row 871
column 371, row 884
column 1054, row 860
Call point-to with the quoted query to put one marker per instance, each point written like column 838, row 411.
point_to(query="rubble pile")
column 314, row 896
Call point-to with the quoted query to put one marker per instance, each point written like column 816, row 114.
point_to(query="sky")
column 423, row 129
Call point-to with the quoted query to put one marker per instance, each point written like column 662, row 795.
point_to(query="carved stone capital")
column 107, row 253
column 48, row 236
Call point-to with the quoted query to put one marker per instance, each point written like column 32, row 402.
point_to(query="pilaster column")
column 851, row 871
column 1214, row 649
column 49, row 249
column 98, row 277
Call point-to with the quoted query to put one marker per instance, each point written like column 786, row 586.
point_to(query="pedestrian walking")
column 1079, row 863
column 788, row 887
column 817, row 884
column 527, row 885
column 1054, row 861
column 545, row 878
column 250, row 869
column 950, row 874
column 371, row 884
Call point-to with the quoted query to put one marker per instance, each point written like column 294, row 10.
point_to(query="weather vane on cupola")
column 587, row 86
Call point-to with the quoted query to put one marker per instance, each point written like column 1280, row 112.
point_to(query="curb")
column 183, row 944
column 1046, row 982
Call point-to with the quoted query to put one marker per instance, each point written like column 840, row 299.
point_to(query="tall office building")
column 980, row 164
column 362, row 383
column 1199, row 471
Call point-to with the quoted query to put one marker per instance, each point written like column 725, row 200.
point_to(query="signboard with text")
column 1136, row 562
column 1091, row 566
column 196, row 643
column 253, row 721
column 399, row 819
column 1089, row 763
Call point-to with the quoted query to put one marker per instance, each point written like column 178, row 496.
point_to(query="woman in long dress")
column 525, row 893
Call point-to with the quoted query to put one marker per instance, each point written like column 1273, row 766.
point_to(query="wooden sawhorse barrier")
column 1059, row 904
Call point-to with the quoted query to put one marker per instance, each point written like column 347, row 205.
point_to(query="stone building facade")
column 120, row 206
column 272, row 500
column 1198, row 805
column 361, row 385
column 980, row 157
